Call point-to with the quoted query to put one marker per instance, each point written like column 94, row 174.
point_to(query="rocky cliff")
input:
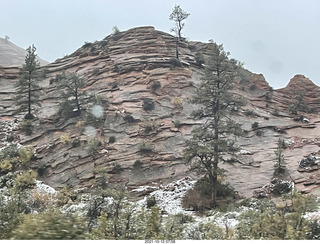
column 134, row 66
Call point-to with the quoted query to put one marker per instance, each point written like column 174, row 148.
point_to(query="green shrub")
column 145, row 147
column 175, row 62
column 177, row 102
column 93, row 146
column 5, row 166
column 51, row 225
column 148, row 104
column 199, row 58
column 249, row 112
column 25, row 156
column 112, row 139
column 259, row 133
column 155, row 86
column 255, row 125
column 65, row 138
column 138, row 163
column 25, row 180
column 149, row 126
column 151, row 201
column 87, row 44
column 253, row 87
column 129, row 118
column 10, row 216
column 27, row 127
column 10, row 152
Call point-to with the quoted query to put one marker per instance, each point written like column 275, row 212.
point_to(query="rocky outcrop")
column 127, row 69
column 12, row 55
column 286, row 96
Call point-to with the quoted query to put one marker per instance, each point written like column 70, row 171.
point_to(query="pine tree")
column 279, row 166
column 212, row 140
column 178, row 15
column 28, row 89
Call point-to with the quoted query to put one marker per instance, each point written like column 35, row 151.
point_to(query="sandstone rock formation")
column 147, row 145
column 12, row 55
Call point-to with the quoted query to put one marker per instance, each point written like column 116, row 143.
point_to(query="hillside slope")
column 123, row 69
column 12, row 55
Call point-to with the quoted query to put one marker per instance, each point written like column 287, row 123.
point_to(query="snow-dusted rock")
column 169, row 198
column 43, row 188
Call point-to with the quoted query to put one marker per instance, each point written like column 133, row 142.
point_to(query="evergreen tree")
column 70, row 86
column 212, row 140
column 28, row 89
column 298, row 103
column 178, row 15
column 279, row 166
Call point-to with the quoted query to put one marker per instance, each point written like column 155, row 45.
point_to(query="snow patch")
column 145, row 188
column 44, row 189
column 169, row 198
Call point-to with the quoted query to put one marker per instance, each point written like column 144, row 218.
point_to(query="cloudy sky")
column 278, row 38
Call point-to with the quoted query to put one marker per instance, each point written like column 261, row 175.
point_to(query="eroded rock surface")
column 123, row 69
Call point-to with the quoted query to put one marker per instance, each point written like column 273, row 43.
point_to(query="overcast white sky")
column 278, row 38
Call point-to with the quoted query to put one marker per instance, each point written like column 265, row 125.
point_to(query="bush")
column 87, row 44
column 66, row 110
column 27, row 127
column 5, row 166
column 129, row 118
column 10, row 152
column 138, row 163
column 259, row 133
column 25, row 180
column 25, row 156
column 65, row 138
column 255, row 125
column 145, row 147
column 51, row 225
column 175, row 62
column 10, row 216
column 149, row 126
column 148, row 104
column 193, row 200
column 155, row 86
column 112, row 139
column 93, row 146
column 253, row 87
column 177, row 102
column 151, row 201
column 249, row 112
column 199, row 58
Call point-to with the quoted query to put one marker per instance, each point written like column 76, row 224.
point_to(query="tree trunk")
column 29, row 115
column 177, row 51
column 77, row 103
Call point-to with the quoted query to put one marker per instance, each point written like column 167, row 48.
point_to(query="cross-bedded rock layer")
column 123, row 68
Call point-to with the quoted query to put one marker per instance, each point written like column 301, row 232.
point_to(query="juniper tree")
column 216, row 136
column 70, row 86
column 178, row 15
column 279, row 166
column 28, row 89
column 297, row 103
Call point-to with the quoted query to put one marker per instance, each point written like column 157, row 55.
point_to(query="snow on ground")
column 43, row 188
column 314, row 215
column 169, row 197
